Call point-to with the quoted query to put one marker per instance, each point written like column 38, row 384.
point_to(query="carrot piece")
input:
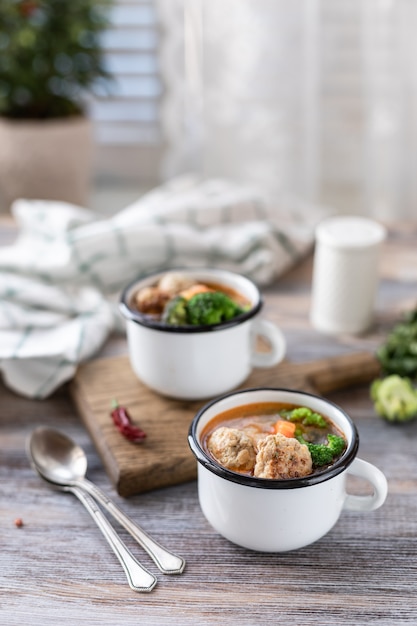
column 285, row 428
column 194, row 290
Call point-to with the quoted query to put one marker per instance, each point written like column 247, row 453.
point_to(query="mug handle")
column 372, row 474
column 275, row 338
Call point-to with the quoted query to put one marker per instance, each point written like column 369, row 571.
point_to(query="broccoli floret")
column 175, row 312
column 211, row 307
column 298, row 414
column 336, row 444
column 323, row 454
column 307, row 417
column 394, row 398
column 398, row 355
column 320, row 454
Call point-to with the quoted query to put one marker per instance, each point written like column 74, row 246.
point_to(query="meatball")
column 256, row 432
column 174, row 282
column 282, row 457
column 232, row 448
column 151, row 300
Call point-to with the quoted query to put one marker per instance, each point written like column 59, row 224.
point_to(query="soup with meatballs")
column 273, row 440
column 180, row 300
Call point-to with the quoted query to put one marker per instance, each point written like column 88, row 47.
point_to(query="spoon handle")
column 138, row 577
column 167, row 562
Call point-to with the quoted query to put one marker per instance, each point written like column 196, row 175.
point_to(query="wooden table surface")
column 57, row 569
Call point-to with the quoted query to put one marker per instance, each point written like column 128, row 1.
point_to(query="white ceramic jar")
column 345, row 274
column 200, row 362
column 279, row 515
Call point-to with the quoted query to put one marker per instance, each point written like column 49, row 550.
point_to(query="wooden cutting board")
column 164, row 457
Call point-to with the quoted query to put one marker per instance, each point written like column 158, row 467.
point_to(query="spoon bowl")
column 56, row 457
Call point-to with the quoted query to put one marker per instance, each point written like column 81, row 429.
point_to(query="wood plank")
column 164, row 458
column 57, row 569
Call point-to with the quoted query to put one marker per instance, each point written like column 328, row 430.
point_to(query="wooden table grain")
column 57, row 569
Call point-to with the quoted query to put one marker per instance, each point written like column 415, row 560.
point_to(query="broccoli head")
column 211, row 307
column 336, row 444
column 323, row 454
column 307, row 417
column 175, row 312
column 394, row 398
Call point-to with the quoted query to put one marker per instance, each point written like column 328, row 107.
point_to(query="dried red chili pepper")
column 124, row 425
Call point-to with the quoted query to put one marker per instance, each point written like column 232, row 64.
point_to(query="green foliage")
column 398, row 355
column 394, row 398
column 50, row 55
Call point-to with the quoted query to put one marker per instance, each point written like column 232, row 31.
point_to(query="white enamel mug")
column 198, row 362
column 280, row 515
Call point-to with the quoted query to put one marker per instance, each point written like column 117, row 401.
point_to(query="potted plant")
column 51, row 59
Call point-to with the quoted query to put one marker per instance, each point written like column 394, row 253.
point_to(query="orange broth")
column 259, row 419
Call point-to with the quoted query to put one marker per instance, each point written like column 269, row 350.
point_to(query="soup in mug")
column 273, row 440
column 180, row 300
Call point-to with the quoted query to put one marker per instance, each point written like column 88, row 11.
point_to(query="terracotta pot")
column 49, row 160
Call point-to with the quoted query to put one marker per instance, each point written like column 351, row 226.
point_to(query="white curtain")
column 312, row 98
column 390, row 97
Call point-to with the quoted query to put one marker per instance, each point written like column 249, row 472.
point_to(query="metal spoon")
column 61, row 461
column 138, row 577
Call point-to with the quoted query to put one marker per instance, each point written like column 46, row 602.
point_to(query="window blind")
column 125, row 114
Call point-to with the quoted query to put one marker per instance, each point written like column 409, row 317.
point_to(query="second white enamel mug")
column 200, row 362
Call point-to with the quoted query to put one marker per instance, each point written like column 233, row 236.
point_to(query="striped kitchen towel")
column 60, row 280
